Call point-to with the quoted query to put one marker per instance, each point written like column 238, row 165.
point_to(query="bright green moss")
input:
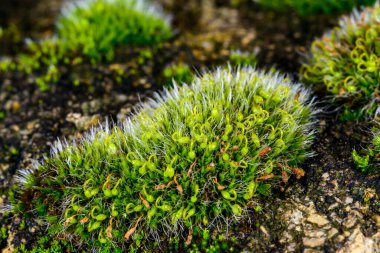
column 368, row 160
column 238, row 58
column 180, row 73
column 96, row 27
column 91, row 31
column 194, row 156
column 312, row 7
column 3, row 234
column 46, row 245
column 345, row 63
column 211, row 244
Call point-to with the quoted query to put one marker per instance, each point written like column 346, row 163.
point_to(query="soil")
column 334, row 208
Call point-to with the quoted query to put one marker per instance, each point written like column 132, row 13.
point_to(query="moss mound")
column 345, row 63
column 90, row 32
column 97, row 27
column 193, row 156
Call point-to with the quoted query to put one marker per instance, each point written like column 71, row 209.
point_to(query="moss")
column 368, row 160
column 46, row 245
column 205, row 242
column 238, row 58
column 2, row 115
column 344, row 63
column 313, row 7
column 180, row 73
column 91, row 32
column 10, row 39
column 196, row 155
column 3, row 235
column 96, row 27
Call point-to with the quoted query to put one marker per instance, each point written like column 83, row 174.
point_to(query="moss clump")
column 96, row 27
column 90, row 32
column 345, row 63
column 194, row 156
column 313, row 7
column 368, row 160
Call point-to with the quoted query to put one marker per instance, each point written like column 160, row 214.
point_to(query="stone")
column 358, row 243
column 325, row 176
column 332, row 232
column 121, row 98
column 333, row 206
column 83, row 122
column 348, row 200
column 315, row 233
column 12, row 106
column 318, row 220
column 350, row 221
column 313, row 242
column 339, row 238
column 312, row 251
column 265, row 231
column 377, row 219
column 4, row 167
column 91, row 106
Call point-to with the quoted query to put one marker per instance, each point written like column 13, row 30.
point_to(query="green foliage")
column 179, row 73
column 2, row 115
column 97, row 27
column 235, row 3
column 5, row 227
column 210, row 244
column 46, row 245
column 7, row 64
column 238, row 58
column 10, row 34
column 312, row 7
column 91, row 31
column 370, row 158
column 345, row 63
column 3, row 234
column 47, row 55
column 194, row 156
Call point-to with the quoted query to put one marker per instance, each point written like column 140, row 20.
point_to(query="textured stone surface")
column 318, row 220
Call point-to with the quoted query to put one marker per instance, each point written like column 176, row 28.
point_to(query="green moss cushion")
column 193, row 156
column 345, row 64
